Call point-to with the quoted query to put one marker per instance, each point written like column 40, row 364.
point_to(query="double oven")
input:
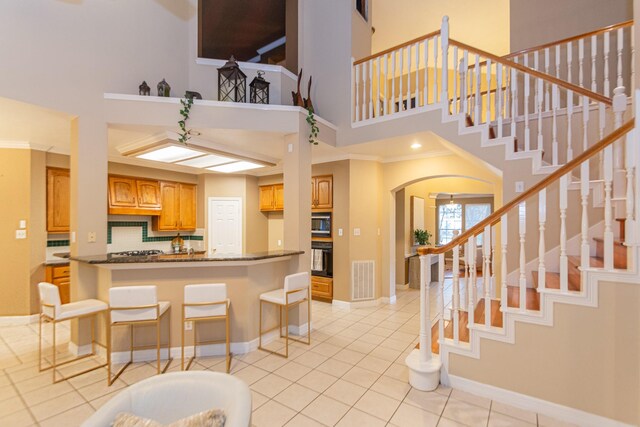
column 321, row 250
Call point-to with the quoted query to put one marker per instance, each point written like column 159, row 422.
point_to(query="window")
column 450, row 221
column 464, row 213
column 361, row 7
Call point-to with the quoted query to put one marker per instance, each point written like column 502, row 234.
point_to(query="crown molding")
column 25, row 145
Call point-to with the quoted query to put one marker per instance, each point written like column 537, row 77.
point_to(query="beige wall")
column 588, row 360
column 544, row 21
column 482, row 24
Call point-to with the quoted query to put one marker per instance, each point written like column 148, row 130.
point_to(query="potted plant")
column 422, row 237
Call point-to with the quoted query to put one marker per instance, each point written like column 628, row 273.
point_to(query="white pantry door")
column 225, row 224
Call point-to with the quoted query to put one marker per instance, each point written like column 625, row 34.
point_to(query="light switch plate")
column 188, row 326
column 279, row 242
column 356, row 231
column 23, row 223
column 21, row 234
column 519, row 186
column 339, row 231
column 73, row 237
column 91, row 237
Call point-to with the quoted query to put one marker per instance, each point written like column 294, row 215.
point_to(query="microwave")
column 321, row 224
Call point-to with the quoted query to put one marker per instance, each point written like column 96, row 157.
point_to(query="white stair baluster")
column 542, row 218
column 606, row 63
column 358, row 67
column 620, row 47
column 564, row 265
column 581, row 62
column 486, row 274
column 569, row 125
column 630, row 223
column 492, row 287
column 444, row 32
column 594, row 52
column 417, row 82
column 554, row 130
column 499, row 110
column 441, row 299
column 473, row 297
column 546, row 70
column 365, row 91
column 585, row 123
column 514, row 101
column 425, row 86
column 584, row 202
column 454, row 101
column 408, row 77
column 401, row 77
column 558, row 61
column 608, row 213
column 463, row 85
column 522, row 230
column 478, row 100
column 504, row 237
column 456, row 294
column 377, row 107
column 487, row 102
column 371, row 80
column 539, row 90
column 393, row 82
column 425, row 318
column 385, row 103
column 354, row 100
column 467, row 248
column 507, row 93
column 435, row 69
column 569, row 61
column 619, row 107
column 527, row 132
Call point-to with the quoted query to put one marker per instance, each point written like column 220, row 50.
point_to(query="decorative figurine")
column 164, row 89
column 298, row 101
column 193, row 95
column 307, row 102
column 144, row 89
column 259, row 90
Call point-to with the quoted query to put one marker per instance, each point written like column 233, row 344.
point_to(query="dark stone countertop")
column 163, row 258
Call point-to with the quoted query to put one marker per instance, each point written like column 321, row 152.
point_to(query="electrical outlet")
column 91, row 237
column 340, row 232
column 73, row 237
column 21, row 234
column 356, row 231
column 188, row 326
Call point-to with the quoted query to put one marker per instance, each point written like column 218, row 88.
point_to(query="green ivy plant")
column 185, row 134
column 313, row 124
column 422, row 236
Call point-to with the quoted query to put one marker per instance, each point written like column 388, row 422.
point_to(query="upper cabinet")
column 178, row 207
column 132, row 196
column 58, row 200
column 271, row 198
column 322, row 192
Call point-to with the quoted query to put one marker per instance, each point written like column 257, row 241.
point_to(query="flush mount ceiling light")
column 207, row 161
column 416, row 145
column 235, row 167
column 170, row 154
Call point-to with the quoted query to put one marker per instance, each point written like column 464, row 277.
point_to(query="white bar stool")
column 52, row 311
column 295, row 292
column 205, row 302
column 137, row 305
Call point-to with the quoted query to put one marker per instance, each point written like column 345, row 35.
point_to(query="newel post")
column 424, row 369
column 444, row 37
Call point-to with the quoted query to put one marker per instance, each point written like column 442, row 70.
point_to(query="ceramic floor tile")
column 385, row 353
column 544, row 421
column 378, row 405
column 99, row 389
column 471, row 398
column 271, row 363
column 310, row 359
column 427, row 400
column 303, row 421
column 57, row 405
column 334, row 367
column 326, row 410
column 21, row 418
column 361, row 346
column 272, row 414
column 71, row 418
column 465, row 413
column 496, row 419
column 46, row 393
column 356, row 417
column 349, row 356
column 257, row 400
column 446, row 422
column 296, row 397
column 7, row 391
column 344, row 391
column 97, row 403
column 270, row 385
column 374, row 364
column 512, row 411
column 410, row 416
column 251, row 374
column 391, row 387
column 11, row 405
column 443, row 390
column 292, row 371
column 398, row 371
column 317, row 381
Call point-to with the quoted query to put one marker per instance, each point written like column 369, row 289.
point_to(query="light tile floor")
column 353, row 374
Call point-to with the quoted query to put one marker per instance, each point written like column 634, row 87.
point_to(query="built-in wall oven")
column 322, row 259
column 321, row 224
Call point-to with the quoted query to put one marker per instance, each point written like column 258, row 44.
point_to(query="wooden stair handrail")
column 571, row 39
column 495, row 217
column 391, row 49
column 561, row 83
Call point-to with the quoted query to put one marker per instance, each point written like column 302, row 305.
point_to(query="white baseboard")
column 402, row 287
column 348, row 305
column 19, row 320
column 388, row 300
column 553, row 410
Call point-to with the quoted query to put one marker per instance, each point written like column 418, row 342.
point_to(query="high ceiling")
column 239, row 28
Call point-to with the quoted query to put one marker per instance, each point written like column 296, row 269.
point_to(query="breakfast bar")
column 247, row 276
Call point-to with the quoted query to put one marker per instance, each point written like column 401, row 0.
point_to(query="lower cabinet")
column 59, row 275
column 322, row 288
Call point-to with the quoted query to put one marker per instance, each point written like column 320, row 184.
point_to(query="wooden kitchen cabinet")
column 322, row 192
column 58, row 200
column 271, row 198
column 59, row 275
column 179, row 203
column 132, row 196
column 322, row 288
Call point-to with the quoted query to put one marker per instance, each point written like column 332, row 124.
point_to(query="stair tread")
column 619, row 252
column 615, row 241
column 532, row 298
column 552, row 280
column 594, row 261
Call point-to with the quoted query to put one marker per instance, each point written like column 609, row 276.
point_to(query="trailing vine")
column 185, row 134
column 314, row 130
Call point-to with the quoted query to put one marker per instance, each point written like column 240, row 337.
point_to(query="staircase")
column 574, row 137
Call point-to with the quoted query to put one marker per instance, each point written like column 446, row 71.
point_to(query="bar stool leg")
column 308, row 318
column 169, row 358
column 182, row 341
column 158, row 345
column 40, row 343
column 286, row 318
column 54, row 351
column 260, row 327
column 280, row 314
column 228, row 344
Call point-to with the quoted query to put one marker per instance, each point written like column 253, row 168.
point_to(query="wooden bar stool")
column 205, row 302
column 132, row 306
column 52, row 311
column 296, row 291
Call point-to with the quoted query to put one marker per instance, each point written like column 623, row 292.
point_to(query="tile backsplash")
column 125, row 233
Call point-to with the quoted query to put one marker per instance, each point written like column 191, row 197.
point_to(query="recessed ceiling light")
column 416, row 145
column 170, row 154
column 206, row 161
column 235, row 167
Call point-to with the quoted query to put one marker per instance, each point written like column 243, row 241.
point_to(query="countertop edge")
column 99, row 260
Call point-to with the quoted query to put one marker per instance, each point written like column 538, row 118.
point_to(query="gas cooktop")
column 137, row 253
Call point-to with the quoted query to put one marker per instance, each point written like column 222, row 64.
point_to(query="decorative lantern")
column 232, row 82
column 259, row 90
column 164, row 89
column 144, row 89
